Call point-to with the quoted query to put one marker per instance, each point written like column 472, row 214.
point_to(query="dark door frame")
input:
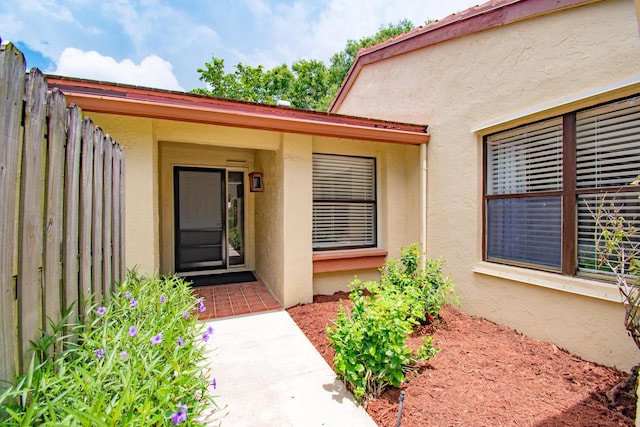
column 176, row 227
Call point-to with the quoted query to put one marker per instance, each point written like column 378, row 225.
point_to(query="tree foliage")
column 307, row 84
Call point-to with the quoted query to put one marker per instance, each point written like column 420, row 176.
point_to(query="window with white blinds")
column 607, row 159
column 344, row 202
column 534, row 214
column 608, row 145
column 525, row 161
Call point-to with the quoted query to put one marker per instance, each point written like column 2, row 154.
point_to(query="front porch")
column 235, row 299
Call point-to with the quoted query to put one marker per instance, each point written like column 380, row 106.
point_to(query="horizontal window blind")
column 608, row 144
column 526, row 230
column 525, row 159
column 525, row 226
column 344, row 202
column 626, row 205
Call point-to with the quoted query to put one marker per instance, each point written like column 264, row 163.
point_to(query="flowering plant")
column 136, row 360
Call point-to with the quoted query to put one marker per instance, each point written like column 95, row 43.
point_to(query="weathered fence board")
column 12, row 66
column 96, row 227
column 71, row 209
column 52, row 286
column 86, row 211
column 122, row 212
column 107, row 205
column 61, row 211
column 116, row 223
column 31, row 213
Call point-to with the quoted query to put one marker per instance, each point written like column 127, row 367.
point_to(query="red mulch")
column 485, row 375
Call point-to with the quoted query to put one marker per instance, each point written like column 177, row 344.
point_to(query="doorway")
column 209, row 219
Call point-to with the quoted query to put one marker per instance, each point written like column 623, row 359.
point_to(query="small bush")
column 370, row 339
column 426, row 289
column 370, row 344
column 138, row 360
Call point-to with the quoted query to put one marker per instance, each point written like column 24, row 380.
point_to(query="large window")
column 545, row 181
column 344, row 202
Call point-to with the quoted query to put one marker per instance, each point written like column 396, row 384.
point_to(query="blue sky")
column 161, row 43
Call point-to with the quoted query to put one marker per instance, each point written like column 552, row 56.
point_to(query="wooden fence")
column 61, row 210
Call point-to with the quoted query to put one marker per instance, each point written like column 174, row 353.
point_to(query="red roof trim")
column 138, row 101
column 475, row 19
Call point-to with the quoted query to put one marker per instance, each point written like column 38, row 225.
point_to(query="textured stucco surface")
column 279, row 220
column 490, row 77
column 135, row 135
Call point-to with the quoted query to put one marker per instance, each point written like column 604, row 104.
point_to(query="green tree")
column 307, row 84
column 342, row 61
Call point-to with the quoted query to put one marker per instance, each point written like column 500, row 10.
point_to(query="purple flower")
column 101, row 311
column 180, row 415
column 201, row 307
column 133, row 331
column 205, row 337
column 186, row 315
column 127, row 294
column 99, row 353
column 209, row 329
column 123, row 354
column 180, row 341
column 156, row 340
column 133, row 302
column 213, row 384
column 162, row 299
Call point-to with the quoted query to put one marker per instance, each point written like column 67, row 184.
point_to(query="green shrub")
column 370, row 339
column 426, row 289
column 370, row 344
column 138, row 360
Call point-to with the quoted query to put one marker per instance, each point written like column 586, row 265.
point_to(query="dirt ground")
column 486, row 375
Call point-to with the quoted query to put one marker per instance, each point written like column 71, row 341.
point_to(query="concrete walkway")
column 269, row 374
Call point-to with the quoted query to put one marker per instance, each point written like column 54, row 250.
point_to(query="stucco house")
column 304, row 199
column 518, row 96
column 534, row 111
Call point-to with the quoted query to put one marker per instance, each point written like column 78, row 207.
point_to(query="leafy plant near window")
column 370, row 339
column 617, row 240
column 137, row 360
column 618, row 243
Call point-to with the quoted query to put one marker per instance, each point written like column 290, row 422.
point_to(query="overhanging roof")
column 488, row 15
column 112, row 98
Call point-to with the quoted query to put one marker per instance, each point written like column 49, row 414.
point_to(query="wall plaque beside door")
column 256, row 183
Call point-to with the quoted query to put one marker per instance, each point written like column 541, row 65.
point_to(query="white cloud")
column 152, row 71
column 258, row 7
column 299, row 31
column 49, row 8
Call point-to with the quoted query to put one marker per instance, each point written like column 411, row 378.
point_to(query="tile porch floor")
column 235, row 299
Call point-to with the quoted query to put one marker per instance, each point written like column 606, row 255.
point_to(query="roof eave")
column 183, row 113
column 102, row 97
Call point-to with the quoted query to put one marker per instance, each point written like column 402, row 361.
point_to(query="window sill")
column 574, row 285
column 325, row 262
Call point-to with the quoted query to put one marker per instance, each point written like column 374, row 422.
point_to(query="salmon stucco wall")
column 467, row 87
column 297, row 219
column 135, row 135
column 398, row 203
column 279, row 220
column 283, row 220
column 269, row 222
